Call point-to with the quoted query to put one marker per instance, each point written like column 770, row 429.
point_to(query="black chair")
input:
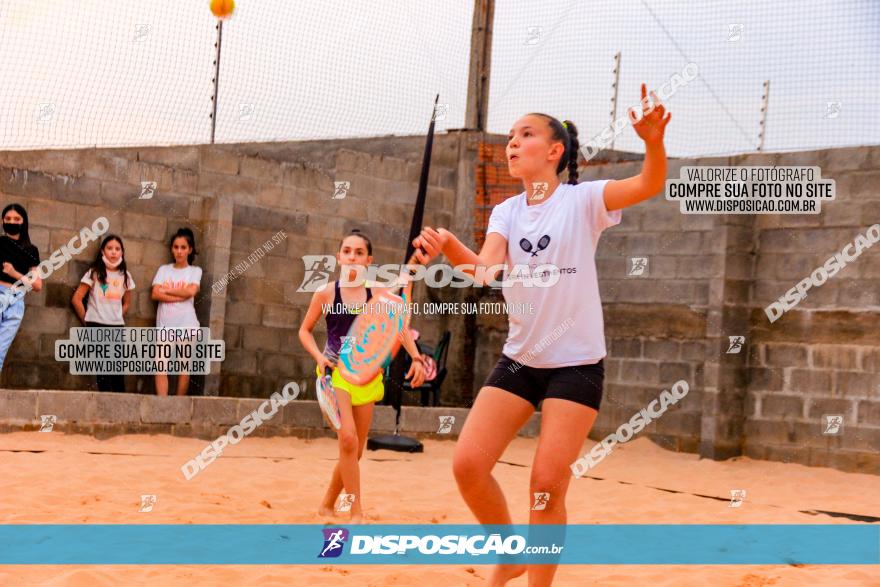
column 432, row 388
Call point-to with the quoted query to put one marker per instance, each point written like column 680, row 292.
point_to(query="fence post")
column 216, row 79
column 614, row 86
column 765, row 104
column 481, row 60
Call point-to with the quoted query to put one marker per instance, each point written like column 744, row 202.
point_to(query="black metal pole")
column 216, row 78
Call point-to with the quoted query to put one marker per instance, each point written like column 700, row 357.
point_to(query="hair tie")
column 565, row 125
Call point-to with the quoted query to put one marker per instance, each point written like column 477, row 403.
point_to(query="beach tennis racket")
column 327, row 398
column 377, row 331
column 376, row 335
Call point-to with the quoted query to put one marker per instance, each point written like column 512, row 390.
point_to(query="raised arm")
column 627, row 192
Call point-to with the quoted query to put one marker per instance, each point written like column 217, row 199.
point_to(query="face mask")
column 109, row 264
column 10, row 228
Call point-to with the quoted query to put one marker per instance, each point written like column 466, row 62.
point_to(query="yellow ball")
column 222, row 8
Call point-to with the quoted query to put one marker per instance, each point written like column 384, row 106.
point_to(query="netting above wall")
column 119, row 72
column 122, row 73
column 104, row 73
column 820, row 58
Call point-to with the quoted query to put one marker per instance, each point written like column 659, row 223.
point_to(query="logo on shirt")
column 526, row 245
column 112, row 289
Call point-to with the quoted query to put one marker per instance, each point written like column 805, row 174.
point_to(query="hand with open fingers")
column 431, row 243
column 652, row 125
column 417, row 373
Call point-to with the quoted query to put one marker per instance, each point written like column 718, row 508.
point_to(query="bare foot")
column 325, row 511
column 357, row 516
column 501, row 574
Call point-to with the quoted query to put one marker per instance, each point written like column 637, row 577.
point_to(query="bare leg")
column 564, row 428
column 348, row 467
column 182, row 383
column 494, row 420
column 161, row 384
column 363, row 417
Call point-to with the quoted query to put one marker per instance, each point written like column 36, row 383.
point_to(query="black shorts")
column 581, row 384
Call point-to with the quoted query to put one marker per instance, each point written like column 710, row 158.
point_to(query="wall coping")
column 105, row 414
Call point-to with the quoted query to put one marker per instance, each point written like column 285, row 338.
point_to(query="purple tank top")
column 338, row 323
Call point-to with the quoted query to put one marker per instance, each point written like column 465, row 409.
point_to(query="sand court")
column 56, row 478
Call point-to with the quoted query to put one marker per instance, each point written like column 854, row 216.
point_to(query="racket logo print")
column 318, row 270
column 334, row 541
column 542, row 244
column 527, row 247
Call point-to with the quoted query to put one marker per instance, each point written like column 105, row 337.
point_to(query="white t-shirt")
column 105, row 299
column 183, row 313
column 566, row 328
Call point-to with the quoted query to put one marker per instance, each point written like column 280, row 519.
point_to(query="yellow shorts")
column 360, row 395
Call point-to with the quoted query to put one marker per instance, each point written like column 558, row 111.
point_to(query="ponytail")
column 572, row 151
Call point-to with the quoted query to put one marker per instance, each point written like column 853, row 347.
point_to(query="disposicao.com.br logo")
column 319, row 269
column 429, row 544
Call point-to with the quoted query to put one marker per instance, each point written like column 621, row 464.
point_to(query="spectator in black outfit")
column 18, row 258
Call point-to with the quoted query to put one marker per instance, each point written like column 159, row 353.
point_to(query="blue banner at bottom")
column 301, row 544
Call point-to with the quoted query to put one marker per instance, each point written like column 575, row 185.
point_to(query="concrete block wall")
column 823, row 356
column 235, row 198
column 104, row 415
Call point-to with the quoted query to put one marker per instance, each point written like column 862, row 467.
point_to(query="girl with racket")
column 355, row 401
column 557, row 224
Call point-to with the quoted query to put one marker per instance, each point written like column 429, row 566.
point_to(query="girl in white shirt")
column 175, row 287
column 554, row 355
column 109, row 286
